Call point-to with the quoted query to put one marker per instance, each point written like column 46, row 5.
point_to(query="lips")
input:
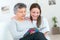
column 34, row 16
column 23, row 16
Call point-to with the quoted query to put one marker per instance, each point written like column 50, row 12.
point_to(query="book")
column 31, row 30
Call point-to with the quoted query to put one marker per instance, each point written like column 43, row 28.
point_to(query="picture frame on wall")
column 52, row 2
column 5, row 9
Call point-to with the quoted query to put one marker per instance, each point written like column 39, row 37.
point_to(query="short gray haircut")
column 19, row 6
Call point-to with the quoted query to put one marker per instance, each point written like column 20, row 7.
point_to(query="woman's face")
column 35, row 12
column 21, row 13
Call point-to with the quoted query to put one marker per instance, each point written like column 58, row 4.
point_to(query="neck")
column 34, row 19
column 20, row 19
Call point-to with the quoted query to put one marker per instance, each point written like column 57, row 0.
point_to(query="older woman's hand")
column 33, row 30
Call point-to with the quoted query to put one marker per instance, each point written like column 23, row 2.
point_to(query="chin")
column 23, row 17
column 34, row 19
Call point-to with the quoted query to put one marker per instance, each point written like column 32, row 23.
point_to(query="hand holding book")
column 31, row 31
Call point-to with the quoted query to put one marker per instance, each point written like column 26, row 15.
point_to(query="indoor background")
column 48, row 11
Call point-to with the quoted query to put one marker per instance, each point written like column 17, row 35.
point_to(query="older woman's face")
column 35, row 12
column 21, row 13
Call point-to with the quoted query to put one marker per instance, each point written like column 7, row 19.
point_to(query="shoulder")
column 44, row 22
column 44, row 18
column 12, row 22
column 27, row 18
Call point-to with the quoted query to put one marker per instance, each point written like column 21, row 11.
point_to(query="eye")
column 21, row 12
column 24, row 11
column 37, row 12
column 33, row 12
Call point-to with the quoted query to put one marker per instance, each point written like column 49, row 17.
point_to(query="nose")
column 23, row 13
column 35, row 14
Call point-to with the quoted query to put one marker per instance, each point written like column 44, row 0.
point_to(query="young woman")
column 19, row 26
column 37, row 20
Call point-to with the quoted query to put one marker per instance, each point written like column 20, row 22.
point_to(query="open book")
column 30, row 30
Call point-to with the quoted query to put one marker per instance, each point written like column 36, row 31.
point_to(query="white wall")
column 50, row 11
column 47, row 11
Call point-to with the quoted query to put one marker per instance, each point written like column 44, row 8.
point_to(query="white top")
column 44, row 27
column 18, row 29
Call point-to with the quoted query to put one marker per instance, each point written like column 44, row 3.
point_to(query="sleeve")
column 13, row 29
column 45, row 26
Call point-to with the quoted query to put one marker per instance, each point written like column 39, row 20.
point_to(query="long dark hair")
column 36, row 5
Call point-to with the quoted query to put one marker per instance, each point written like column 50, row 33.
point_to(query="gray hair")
column 19, row 5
